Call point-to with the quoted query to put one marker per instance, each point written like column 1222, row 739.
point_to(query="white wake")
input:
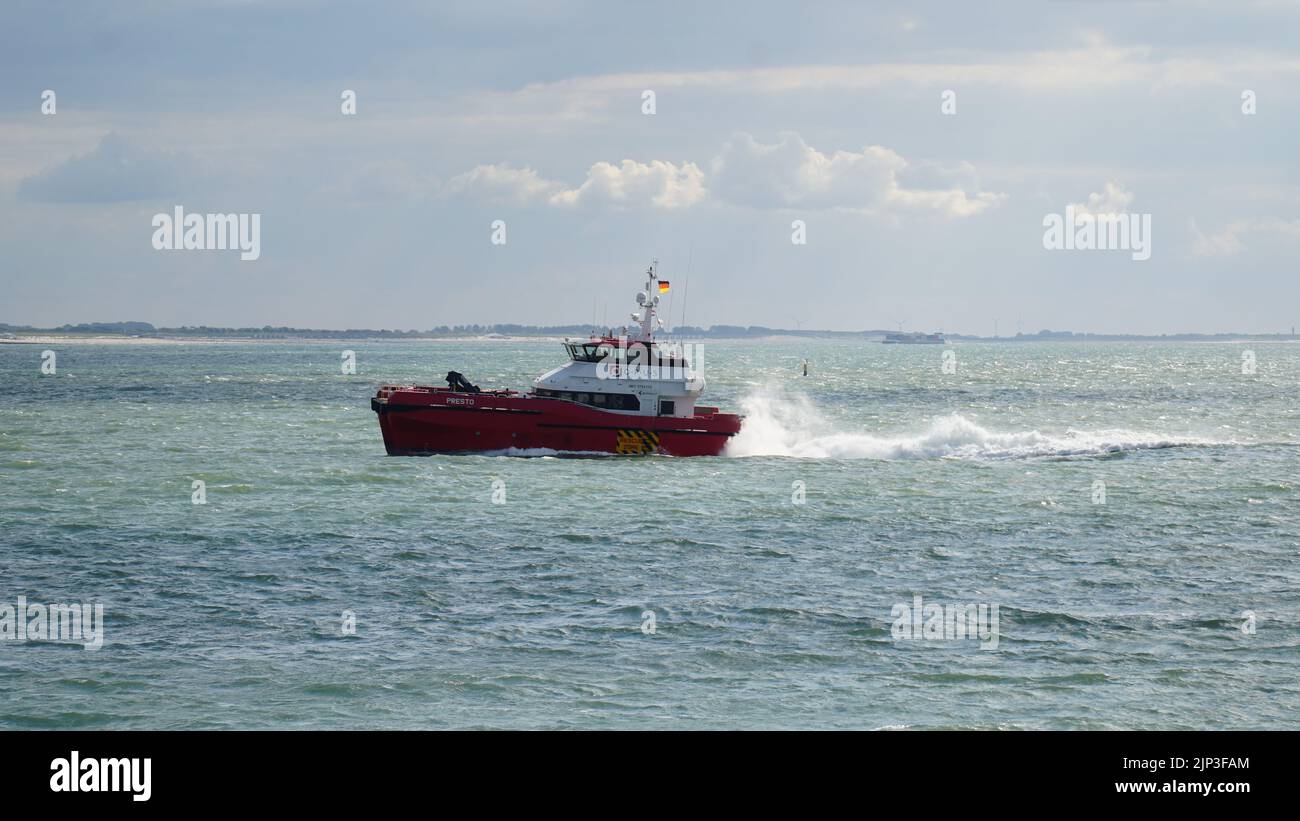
column 791, row 426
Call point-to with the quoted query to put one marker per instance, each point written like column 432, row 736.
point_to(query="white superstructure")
column 631, row 373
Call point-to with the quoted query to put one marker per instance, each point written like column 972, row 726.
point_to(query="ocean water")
column 1133, row 511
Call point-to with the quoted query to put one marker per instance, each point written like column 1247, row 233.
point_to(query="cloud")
column 786, row 174
column 662, row 184
column 1231, row 240
column 501, row 183
column 1093, row 63
column 1113, row 199
column 115, row 171
column 657, row 184
column 792, row 174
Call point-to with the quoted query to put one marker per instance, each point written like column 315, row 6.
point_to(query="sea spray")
column 791, row 425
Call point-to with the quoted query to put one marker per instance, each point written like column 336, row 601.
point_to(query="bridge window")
column 613, row 401
column 587, row 353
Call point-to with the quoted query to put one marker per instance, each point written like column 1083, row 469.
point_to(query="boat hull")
column 419, row 421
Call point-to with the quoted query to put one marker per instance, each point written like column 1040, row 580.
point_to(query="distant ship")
column 626, row 395
column 915, row 338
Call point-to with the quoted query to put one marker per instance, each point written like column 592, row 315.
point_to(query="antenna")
column 686, row 289
column 686, row 292
column 672, row 292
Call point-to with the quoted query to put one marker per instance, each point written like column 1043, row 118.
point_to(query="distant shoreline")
column 143, row 332
column 234, row 339
column 108, row 339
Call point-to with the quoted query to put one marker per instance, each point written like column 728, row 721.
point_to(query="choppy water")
column 974, row 487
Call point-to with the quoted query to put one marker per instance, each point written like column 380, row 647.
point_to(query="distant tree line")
column 145, row 329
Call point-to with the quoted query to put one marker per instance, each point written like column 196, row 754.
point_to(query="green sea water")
column 1133, row 511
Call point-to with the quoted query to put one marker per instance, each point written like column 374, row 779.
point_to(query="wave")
column 776, row 426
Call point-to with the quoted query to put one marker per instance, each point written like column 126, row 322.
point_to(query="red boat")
column 627, row 395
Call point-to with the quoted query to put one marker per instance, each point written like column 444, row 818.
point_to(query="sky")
column 919, row 148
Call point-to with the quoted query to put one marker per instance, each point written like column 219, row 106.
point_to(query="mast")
column 648, row 300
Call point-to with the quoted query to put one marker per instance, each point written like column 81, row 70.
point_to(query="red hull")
column 421, row 420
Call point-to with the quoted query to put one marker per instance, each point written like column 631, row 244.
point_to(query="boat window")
column 586, row 353
column 613, row 401
column 623, row 401
column 667, row 407
column 637, row 355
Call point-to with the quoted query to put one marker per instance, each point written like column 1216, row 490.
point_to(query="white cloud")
column 792, row 174
column 501, row 183
column 786, row 174
column 657, row 183
column 1231, row 239
column 661, row 184
column 1113, row 199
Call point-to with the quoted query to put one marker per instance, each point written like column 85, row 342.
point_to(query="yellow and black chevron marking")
column 637, row 441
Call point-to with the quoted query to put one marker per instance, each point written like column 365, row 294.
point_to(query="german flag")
column 663, row 286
